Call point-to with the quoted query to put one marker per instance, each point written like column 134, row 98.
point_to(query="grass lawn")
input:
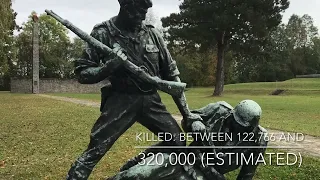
column 296, row 110
column 41, row 137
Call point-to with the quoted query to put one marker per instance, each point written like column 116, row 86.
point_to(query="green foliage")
column 196, row 69
column 222, row 24
column 291, row 49
column 75, row 51
column 54, row 49
column 77, row 48
column 7, row 26
column 24, row 55
column 201, row 22
column 57, row 51
column 301, row 34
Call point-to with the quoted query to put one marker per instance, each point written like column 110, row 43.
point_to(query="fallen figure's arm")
column 217, row 117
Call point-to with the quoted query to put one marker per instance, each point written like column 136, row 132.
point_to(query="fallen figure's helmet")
column 247, row 113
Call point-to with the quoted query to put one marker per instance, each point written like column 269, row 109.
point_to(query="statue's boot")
column 78, row 171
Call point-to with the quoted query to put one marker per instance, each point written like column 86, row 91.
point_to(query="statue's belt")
column 127, row 85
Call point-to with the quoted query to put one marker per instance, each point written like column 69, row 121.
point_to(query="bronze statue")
column 217, row 117
column 137, row 49
column 138, row 65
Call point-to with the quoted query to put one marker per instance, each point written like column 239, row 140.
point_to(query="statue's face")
column 236, row 127
column 136, row 13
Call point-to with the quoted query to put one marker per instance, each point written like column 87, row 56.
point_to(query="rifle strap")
column 131, row 56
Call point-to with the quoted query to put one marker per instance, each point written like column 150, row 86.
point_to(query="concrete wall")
column 55, row 86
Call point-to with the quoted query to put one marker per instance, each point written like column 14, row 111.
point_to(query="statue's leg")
column 158, row 120
column 118, row 115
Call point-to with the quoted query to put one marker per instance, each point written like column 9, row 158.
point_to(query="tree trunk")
column 220, row 66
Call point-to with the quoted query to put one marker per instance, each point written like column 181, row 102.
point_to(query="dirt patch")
column 278, row 92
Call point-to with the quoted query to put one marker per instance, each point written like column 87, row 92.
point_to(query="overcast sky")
column 86, row 13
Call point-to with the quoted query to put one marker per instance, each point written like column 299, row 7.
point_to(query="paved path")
column 304, row 144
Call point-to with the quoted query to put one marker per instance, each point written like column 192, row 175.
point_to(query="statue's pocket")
column 152, row 52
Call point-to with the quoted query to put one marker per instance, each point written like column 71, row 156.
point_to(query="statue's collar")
column 114, row 29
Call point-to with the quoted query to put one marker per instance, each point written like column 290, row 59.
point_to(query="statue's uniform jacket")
column 124, row 103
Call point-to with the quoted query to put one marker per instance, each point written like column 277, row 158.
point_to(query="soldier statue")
column 217, row 117
column 131, row 99
column 128, row 100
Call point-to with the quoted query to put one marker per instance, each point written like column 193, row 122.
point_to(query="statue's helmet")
column 125, row 2
column 247, row 113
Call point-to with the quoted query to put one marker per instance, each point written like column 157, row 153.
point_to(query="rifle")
column 169, row 87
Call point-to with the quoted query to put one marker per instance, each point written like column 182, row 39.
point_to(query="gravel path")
column 304, row 144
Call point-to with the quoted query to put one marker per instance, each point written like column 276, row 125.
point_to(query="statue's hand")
column 192, row 123
column 120, row 56
column 197, row 124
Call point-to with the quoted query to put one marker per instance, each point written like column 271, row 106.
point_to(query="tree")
column 54, row 48
column 222, row 23
column 76, row 48
column 301, row 35
column 315, row 61
column 291, row 49
column 195, row 68
column 75, row 52
column 7, row 26
column 24, row 55
column 267, row 61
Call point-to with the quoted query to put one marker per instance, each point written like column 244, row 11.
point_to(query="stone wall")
column 21, row 85
column 55, row 86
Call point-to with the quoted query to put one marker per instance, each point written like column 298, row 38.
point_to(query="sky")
column 85, row 14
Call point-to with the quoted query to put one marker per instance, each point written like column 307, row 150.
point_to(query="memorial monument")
column 35, row 55
column 138, row 65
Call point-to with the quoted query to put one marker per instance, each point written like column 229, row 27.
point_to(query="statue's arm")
column 169, row 71
column 191, row 122
column 90, row 68
column 181, row 102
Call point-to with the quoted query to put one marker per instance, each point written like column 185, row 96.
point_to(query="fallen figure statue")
column 207, row 158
